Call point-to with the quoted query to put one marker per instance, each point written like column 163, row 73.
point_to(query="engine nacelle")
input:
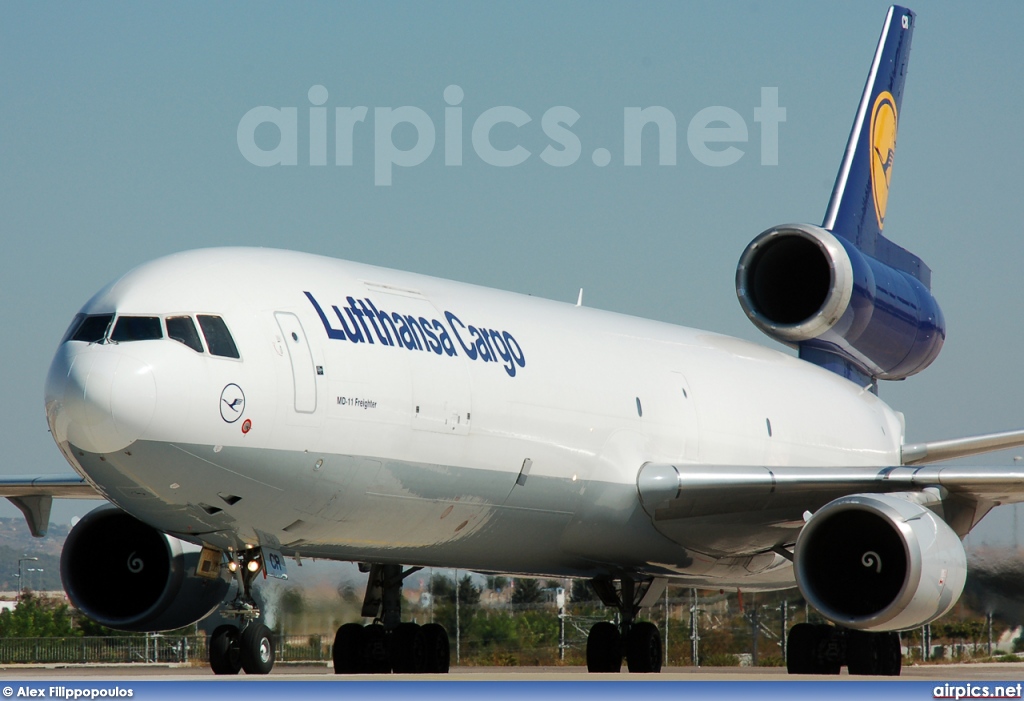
column 126, row 575
column 804, row 286
column 876, row 562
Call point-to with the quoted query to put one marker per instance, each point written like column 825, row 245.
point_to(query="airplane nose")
column 99, row 398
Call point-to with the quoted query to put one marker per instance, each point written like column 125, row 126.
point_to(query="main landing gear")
column 387, row 644
column 638, row 641
column 823, row 649
column 250, row 646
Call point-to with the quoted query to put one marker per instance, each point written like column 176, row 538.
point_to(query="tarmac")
column 1004, row 672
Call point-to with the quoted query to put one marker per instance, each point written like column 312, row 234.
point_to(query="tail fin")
column 852, row 301
column 856, row 210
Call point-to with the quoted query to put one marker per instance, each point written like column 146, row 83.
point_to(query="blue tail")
column 856, row 210
column 849, row 299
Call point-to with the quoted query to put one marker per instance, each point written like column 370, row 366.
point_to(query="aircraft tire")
column 604, row 649
column 890, row 654
column 348, row 649
column 375, row 650
column 436, row 649
column 801, row 649
column 256, row 645
column 861, row 653
column 825, row 643
column 643, row 648
column 407, row 655
column 225, row 656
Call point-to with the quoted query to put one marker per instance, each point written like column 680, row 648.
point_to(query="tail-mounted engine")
column 876, row 562
column 807, row 288
column 126, row 575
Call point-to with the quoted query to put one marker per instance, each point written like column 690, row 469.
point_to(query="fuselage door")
column 303, row 370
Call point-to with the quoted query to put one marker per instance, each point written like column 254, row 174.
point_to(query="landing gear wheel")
column 827, row 655
column 436, row 651
column 375, row 650
column 801, row 648
column 873, row 653
column 348, row 649
column 890, row 655
column 813, row 649
column 257, row 649
column 407, row 649
column 643, row 648
column 225, row 656
column 604, row 648
column 861, row 653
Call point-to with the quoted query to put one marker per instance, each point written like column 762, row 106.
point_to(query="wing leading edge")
column 773, row 500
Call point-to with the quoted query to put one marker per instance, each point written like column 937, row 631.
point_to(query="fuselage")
column 383, row 416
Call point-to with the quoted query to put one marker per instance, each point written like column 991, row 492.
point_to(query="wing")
column 751, row 509
column 33, row 495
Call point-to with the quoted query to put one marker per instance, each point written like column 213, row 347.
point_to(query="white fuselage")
column 496, row 431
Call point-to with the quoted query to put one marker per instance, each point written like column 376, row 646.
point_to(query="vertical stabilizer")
column 849, row 299
column 856, row 210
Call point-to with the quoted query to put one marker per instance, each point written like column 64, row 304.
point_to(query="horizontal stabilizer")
column 936, row 451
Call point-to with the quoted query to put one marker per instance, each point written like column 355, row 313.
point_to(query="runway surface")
column 1005, row 672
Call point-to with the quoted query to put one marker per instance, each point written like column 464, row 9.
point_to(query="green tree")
column 90, row 628
column 497, row 583
column 582, row 591
column 469, row 593
column 37, row 617
column 443, row 590
column 527, row 591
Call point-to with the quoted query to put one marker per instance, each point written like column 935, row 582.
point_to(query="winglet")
column 856, row 210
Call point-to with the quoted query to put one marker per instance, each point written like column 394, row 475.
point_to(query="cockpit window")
column 218, row 338
column 183, row 330
column 93, row 328
column 137, row 328
column 75, row 323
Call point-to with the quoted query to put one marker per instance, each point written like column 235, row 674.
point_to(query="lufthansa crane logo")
column 883, row 148
column 232, row 403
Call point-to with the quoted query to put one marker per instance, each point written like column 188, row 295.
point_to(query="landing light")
column 232, row 566
column 253, row 565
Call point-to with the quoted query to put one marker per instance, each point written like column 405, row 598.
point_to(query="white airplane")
column 239, row 407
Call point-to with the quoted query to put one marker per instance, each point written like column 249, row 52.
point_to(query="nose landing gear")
column 250, row 645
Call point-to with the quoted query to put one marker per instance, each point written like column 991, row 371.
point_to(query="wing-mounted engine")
column 877, row 562
column 126, row 575
column 810, row 289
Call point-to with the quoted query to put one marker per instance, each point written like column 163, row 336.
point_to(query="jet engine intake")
column 879, row 562
column 126, row 575
column 804, row 286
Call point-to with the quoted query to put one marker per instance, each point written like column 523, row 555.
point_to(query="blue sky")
column 119, row 144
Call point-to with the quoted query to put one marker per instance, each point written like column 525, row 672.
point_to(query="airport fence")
column 152, row 649
column 710, row 629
